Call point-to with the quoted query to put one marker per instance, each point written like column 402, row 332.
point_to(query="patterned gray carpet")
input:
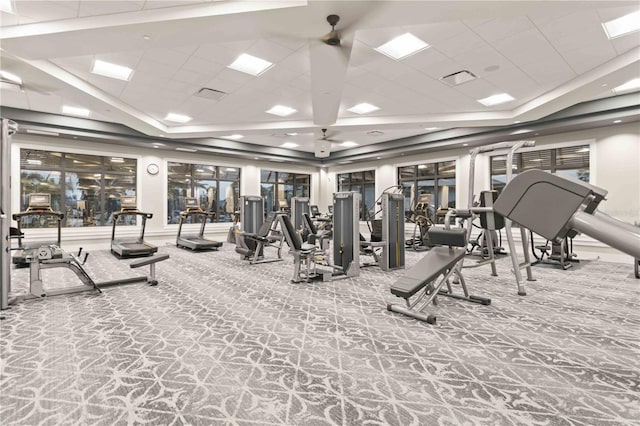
column 220, row 341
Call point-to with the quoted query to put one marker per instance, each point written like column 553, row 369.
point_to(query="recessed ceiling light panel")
column 7, row 6
column 500, row 98
column 402, row 46
column 431, row 129
column 363, row 108
column 349, row 144
column 289, row 145
column 281, row 110
column 234, row 136
column 628, row 86
column 177, row 118
column 624, row 25
column 10, row 78
column 250, row 65
column 108, row 69
column 81, row 112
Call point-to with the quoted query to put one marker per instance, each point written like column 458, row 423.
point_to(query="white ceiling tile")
column 482, row 58
column 615, row 11
column 223, row 53
column 434, row 64
column 200, row 65
column 269, row 51
column 477, row 89
column 93, row 8
column 46, row 102
column 626, row 43
column 41, row 11
column 8, row 19
column 459, row 44
column 503, row 27
column 227, row 86
column 156, row 4
column 436, row 33
column 194, row 78
column 586, row 58
column 166, row 56
column 528, row 46
column 544, row 72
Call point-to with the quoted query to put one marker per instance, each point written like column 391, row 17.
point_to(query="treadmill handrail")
column 194, row 212
column 144, row 216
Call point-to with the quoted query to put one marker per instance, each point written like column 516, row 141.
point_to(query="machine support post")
column 608, row 230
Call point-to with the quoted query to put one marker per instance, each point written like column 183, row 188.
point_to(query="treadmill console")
column 128, row 202
column 314, row 210
column 39, row 201
column 191, row 204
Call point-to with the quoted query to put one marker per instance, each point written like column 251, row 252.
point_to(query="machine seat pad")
column 244, row 251
column 148, row 260
column 456, row 237
column 436, row 262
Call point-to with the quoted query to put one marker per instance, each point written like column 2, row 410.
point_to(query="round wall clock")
column 153, row 169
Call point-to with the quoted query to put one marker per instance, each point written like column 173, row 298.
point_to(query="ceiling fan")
column 332, row 38
column 323, row 145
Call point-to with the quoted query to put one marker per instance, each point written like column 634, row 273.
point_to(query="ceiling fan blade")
column 328, row 72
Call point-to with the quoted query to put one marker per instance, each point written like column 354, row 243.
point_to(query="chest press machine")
column 569, row 207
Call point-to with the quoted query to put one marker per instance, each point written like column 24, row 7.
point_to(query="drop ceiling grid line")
column 507, row 59
column 555, row 49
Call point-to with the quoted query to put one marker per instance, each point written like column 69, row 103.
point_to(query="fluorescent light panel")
column 624, row 25
column 34, row 162
column 431, row 129
column 108, row 69
column 628, row 86
column 402, row 46
column 363, row 108
column 281, row 110
column 234, row 136
column 349, row 144
column 496, row 99
column 42, row 132
column 177, row 118
column 250, row 65
column 11, row 78
column 7, row 6
column 289, row 145
column 186, row 149
column 81, row 112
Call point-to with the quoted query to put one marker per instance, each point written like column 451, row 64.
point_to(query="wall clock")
column 153, row 169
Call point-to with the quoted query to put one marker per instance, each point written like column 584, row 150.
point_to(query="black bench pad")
column 431, row 266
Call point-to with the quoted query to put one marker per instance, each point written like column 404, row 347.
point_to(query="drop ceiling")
column 547, row 55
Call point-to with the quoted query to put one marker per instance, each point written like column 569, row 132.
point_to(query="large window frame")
column 217, row 188
column 278, row 187
column 85, row 186
column 572, row 160
column 438, row 178
column 364, row 183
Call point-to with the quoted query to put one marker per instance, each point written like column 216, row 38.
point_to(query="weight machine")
column 256, row 232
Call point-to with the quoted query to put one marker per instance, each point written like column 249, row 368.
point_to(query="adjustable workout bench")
column 422, row 280
column 251, row 246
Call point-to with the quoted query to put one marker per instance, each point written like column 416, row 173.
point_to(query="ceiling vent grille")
column 212, row 94
column 458, row 78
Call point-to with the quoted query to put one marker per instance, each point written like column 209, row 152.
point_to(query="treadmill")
column 195, row 242
column 130, row 247
column 39, row 207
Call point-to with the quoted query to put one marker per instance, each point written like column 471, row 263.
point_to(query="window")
column 436, row 179
column 363, row 183
column 217, row 189
column 86, row 188
column 277, row 188
column 570, row 161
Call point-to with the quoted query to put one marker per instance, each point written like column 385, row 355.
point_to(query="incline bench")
column 442, row 261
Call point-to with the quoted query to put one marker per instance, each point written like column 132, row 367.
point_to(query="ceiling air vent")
column 374, row 133
column 458, row 78
column 212, row 94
